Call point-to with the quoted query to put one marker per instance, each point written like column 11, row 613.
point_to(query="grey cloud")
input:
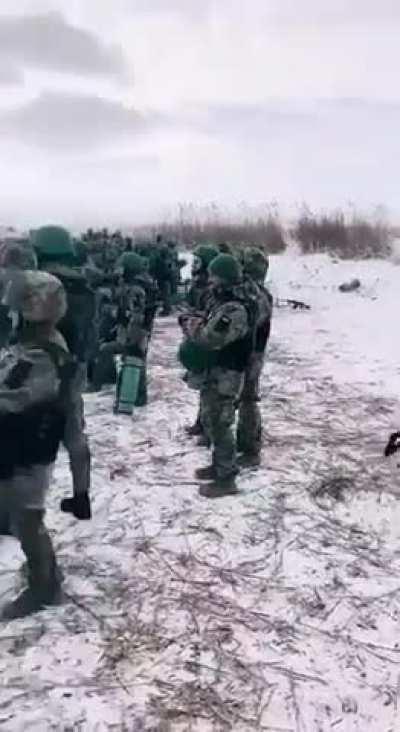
column 68, row 121
column 49, row 42
column 254, row 123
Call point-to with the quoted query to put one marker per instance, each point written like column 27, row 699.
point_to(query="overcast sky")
column 115, row 111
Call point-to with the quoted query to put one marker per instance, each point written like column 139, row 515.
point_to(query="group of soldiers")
column 68, row 310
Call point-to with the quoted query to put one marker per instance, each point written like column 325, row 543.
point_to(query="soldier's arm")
column 228, row 325
column 31, row 380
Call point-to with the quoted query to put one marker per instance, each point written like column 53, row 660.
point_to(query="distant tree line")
column 347, row 237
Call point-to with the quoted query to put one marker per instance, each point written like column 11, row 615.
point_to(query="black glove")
column 393, row 444
column 79, row 506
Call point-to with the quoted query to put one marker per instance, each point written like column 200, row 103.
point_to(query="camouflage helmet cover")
column 42, row 298
column 255, row 263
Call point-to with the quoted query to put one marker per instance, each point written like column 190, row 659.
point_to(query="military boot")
column 204, row 441
column 220, row 488
column 208, row 473
column 44, row 586
column 249, row 460
column 194, row 430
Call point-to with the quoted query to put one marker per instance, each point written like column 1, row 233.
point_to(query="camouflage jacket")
column 199, row 295
column 33, row 403
column 264, row 300
column 227, row 330
column 132, row 334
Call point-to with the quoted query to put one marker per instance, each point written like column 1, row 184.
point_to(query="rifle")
column 294, row 304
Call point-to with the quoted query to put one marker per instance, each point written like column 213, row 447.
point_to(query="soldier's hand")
column 393, row 444
column 79, row 506
column 192, row 325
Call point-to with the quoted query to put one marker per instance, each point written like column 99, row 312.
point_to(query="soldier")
column 249, row 429
column 14, row 259
column 226, row 334
column 199, row 286
column 132, row 335
column 135, row 316
column 56, row 254
column 163, row 273
column 37, row 410
column 197, row 301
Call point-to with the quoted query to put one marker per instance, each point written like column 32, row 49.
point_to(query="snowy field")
column 276, row 610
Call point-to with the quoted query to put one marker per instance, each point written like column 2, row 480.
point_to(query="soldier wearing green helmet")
column 226, row 333
column 196, row 302
column 132, row 329
column 249, row 429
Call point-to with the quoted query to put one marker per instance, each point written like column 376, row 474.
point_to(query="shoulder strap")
column 65, row 364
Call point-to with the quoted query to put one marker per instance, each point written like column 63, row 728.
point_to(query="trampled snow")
column 274, row 610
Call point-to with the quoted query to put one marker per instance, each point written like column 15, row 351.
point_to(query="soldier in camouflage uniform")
column 226, row 333
column 197, row 301
column 15, row 258
column 132, row 330
column 37, row 410
column 56, row 255
column 249, row 429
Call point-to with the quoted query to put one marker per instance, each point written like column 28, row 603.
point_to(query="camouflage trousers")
column 218, row 400
column 22, row 500
column 165, row 288
column 75, row 439
column 249, row 427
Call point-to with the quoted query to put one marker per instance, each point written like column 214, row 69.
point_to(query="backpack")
column 33, row 437
column 78, row 325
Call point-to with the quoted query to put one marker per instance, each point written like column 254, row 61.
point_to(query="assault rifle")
column 294, row 304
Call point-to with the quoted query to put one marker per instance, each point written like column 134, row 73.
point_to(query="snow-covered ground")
column 275, row 610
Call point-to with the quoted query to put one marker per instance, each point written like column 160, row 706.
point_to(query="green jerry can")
column 129, row 371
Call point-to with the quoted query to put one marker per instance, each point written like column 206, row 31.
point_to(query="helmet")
column 17, row 256
column 133, row 263
column 42, row 298
column 54, row 243
column 205, row 253
column 193, row 357
column 255, row 264
column 226, row 268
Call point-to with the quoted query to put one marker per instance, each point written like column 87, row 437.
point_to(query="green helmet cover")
column 53, row 243
column 226, row 268
column 206, row 253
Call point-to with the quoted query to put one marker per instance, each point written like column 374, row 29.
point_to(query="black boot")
column 220, row 488
column 249, row 460
column 208, row 473
column 194, row 430
column 203, row 441
column 44, row 586
column 30, row 602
